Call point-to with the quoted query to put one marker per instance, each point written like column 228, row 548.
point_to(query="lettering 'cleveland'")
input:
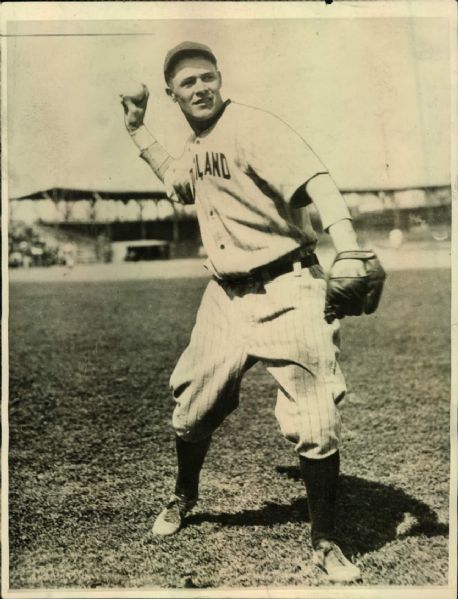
column 214, row 164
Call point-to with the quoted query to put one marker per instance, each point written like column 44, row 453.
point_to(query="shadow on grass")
column 269, row 514
column 369, row 514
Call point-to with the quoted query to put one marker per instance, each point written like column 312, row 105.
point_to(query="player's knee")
column 190, row 432
column 313, row 443
column 326, row 446
column 181, row 425
column 186, row 434
column 314, row 454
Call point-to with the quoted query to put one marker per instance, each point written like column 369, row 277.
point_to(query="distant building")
column 103, row 223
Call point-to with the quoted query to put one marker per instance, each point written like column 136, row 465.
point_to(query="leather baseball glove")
column 354, row 284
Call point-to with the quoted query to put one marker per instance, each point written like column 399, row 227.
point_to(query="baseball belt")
column 271, row 271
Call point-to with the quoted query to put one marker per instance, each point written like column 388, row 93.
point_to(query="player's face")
column 195, row 86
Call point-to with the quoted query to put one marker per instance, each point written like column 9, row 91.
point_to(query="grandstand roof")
column 68, row 193
column 72, row 193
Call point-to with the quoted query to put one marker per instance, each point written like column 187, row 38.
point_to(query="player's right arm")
column 151, row 151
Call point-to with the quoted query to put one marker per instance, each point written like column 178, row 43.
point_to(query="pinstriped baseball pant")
column 280, row 323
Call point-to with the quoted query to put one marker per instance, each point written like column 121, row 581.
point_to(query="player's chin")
column 203, row 112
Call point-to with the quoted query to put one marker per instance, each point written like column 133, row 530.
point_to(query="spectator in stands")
column 69, row 254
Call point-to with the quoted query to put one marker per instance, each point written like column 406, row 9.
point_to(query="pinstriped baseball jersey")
column 246, row 172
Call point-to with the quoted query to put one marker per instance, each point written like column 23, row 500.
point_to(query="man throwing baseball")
column 268, row 300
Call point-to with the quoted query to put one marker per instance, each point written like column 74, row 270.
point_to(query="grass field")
column 92, row 460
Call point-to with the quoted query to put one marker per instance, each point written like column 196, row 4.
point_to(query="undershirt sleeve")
column 329, row 202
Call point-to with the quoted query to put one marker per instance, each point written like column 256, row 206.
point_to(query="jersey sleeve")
column 178, row 183
column 277, row 157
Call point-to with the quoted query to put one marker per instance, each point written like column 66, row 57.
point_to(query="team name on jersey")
column 213, row 163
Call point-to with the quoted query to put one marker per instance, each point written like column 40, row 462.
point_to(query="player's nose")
column 200, row 86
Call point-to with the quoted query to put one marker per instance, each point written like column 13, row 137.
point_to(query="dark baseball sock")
column 321, row 478
column 190, row 457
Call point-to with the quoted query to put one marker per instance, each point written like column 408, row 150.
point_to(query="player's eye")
column 188, row 82
column 208, row 77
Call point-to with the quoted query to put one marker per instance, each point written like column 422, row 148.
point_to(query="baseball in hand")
column 136, row 92
column 134, row 100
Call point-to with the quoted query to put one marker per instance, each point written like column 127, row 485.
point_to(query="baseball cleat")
column 170, row 520
column 329, row 557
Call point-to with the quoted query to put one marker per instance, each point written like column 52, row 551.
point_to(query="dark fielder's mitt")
column 354, row 284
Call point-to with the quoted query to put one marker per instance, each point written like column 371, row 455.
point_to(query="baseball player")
column 268, row 300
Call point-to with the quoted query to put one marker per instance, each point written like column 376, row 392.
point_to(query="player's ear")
column 170, row 94
column 220, row 77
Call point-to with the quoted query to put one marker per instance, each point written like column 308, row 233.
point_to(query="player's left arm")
column 355, row 280
column 333, row 210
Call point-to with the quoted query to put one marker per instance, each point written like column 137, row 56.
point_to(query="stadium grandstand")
column 63, row 225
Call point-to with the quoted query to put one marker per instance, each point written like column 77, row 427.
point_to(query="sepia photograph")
column 227, row 313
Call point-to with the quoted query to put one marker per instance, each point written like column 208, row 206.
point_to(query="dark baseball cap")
column 183, row 49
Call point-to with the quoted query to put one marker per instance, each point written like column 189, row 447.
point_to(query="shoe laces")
column 177, row 507
column 331, row 549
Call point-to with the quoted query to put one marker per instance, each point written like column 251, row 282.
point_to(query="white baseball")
column 135, row 91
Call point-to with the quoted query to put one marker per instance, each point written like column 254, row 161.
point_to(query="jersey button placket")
column 213, row 217
column 216, row 234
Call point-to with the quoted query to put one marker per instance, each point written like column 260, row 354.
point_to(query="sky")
column 370, row 95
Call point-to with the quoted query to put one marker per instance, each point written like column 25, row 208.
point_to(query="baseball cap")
column 186, row 48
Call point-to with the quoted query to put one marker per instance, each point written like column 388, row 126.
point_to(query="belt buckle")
column 297, row 268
